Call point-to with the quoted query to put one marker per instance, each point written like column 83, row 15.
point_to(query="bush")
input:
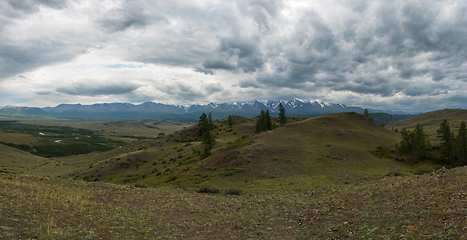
column 233, row 191
column 208, row 189
column 139, row 185
column 422, row 170
column 394, row 174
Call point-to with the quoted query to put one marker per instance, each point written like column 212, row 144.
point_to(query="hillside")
column 431, row 206
column 329, row 150
column 431, row 121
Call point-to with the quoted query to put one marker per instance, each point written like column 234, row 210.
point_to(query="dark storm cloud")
column 90, row 89
column 204, row 70
column 131, row 14
column 218, row 64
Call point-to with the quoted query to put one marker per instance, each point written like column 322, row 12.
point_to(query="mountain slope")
column 150, row 110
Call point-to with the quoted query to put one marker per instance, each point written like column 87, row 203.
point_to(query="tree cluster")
column 414, row 143
column 264, row 122
column 205, row 127
column 452, row 149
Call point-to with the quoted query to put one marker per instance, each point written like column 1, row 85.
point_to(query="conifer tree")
column 421, row 143
column 201, row 126
column 462, row 143
column 444, row 132
column 367, row 114
column 211, row 124
column 282, row 117
column 230, row 121
column 268, row 121
column 207, row 137
column 407, row 145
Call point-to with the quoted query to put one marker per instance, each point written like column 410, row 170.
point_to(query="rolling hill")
column 431, row 121
column 329, row 150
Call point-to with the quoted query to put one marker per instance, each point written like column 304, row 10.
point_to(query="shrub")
column 233, row 191
column 422, row 170
column 126, row 180
column 394, row 174
column 172, row 178
column 207, row 189
column 139, row 185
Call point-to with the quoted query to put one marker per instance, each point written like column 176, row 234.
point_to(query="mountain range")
column 152, row 110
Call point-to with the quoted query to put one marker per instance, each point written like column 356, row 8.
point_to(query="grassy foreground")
column 431, row 206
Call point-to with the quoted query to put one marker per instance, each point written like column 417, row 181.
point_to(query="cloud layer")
column 408, row 55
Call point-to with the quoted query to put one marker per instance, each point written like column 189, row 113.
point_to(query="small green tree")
column 407, row 145
column 260, row 124
column 211, row 124
column 207, row 137
column 367, row 114
column 282, row 117
column 444, row 132
column 421, row 143
column 201, row 126
column 230, row 121
column 462, row 143
column 268, row 124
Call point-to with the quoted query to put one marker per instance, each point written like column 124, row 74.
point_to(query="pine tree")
column 211, row 124
column 462, row 143
column 367, row 114
column 407, row 145
column 207, row 137
column 230, row 121
column 444, row 132
column 282, row 117
column 201, row 127
column 268, row 121
column 421, row 143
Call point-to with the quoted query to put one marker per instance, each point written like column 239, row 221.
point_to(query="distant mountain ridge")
column 124, row 111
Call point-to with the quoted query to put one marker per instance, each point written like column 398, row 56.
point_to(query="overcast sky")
column 398, row 55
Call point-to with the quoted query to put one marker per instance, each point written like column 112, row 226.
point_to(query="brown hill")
column 305, row 153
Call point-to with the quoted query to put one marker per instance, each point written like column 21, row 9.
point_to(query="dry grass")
column 430, row 206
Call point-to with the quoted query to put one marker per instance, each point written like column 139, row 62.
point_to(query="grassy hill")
column 431, row 121
column 431, row 206
column 329, row 150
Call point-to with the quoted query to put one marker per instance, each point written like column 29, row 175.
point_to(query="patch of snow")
column 58, row 141
column 41, row 133
column 301, row 100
